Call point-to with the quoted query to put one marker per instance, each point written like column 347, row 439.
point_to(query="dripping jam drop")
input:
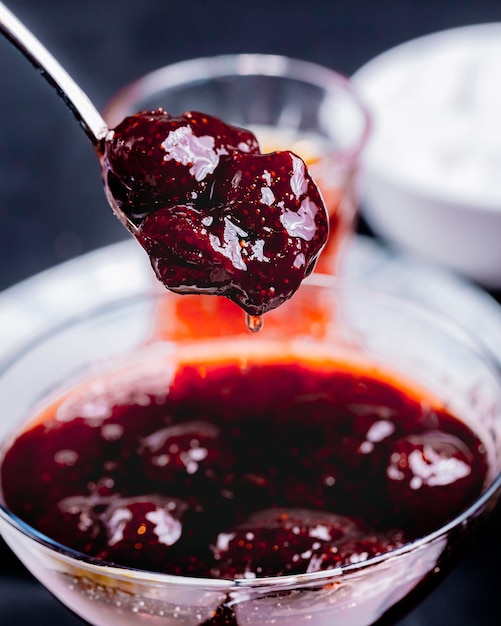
column 254, row 322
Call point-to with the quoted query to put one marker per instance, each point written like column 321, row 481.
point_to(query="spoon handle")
column 78, row 102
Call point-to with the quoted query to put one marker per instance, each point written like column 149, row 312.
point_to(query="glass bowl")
column 288, row 103
column 326, row 318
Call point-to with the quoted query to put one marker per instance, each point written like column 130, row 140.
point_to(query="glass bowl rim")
column 243, row 64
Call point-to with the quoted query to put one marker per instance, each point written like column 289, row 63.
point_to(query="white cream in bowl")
column 431, row 175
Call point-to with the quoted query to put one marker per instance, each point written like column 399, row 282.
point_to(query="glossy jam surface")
column 213, row 213
column 334, row 175
column 241, row 470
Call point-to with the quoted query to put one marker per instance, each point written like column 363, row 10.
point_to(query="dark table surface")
column 51, row 202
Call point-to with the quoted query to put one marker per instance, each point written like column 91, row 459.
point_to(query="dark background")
column 51, row 202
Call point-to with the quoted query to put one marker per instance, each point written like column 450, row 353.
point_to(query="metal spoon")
column 75, row 98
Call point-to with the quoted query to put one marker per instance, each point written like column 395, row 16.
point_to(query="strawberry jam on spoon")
column 214, row 215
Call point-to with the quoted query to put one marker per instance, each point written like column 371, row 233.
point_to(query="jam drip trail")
column 214, row 214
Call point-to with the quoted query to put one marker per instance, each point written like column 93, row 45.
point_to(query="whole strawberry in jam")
column 431, row 471
column 214, row 215
column 148, row 527
column 279, row 541
column 191, row 455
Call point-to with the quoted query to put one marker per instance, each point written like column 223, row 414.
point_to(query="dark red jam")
column 229, row 470
column 214, row 214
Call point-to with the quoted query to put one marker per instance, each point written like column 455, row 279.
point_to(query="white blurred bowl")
column 431, row 174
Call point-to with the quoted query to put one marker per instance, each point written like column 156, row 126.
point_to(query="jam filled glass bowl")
column 145, row 338
column 289, row 104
